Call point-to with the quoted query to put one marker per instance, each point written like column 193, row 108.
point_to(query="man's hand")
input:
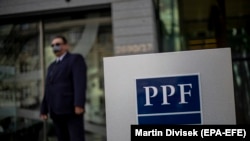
column 79, row 110
column 44, row 116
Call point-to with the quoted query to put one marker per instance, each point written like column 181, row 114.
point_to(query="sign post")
column 186, row 87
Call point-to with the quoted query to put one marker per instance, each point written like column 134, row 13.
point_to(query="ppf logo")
column 169, row 100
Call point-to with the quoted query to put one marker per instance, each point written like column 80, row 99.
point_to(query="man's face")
column 58, row 46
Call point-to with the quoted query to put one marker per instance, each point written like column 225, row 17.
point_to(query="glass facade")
column 25, row 54
column 20, row 66
column 195, row 24
column 20, row 79
column 169, row 25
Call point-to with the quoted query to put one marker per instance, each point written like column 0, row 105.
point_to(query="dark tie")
column 54, row 69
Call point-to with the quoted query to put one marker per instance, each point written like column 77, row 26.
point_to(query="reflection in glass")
column 19, row 66
column 20, row 74
column 169, row 24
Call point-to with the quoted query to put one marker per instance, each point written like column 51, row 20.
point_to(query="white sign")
column 213, row 72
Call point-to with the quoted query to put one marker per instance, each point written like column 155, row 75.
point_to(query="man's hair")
column 61, row 37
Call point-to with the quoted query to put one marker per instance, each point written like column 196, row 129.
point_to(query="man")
column 65, row 92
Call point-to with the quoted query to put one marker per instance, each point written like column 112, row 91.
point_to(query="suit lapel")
column 53, row 71
column 58, row 67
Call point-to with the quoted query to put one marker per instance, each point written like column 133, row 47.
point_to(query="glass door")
column 25, row 54
column 20, row 81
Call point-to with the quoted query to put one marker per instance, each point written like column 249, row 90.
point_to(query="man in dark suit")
column 65, row 92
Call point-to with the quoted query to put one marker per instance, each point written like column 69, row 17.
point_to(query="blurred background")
column 105, row 28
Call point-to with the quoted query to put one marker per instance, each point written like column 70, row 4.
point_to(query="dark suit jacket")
column 65, row 85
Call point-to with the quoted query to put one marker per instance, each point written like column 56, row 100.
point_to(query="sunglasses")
column 56, row 44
